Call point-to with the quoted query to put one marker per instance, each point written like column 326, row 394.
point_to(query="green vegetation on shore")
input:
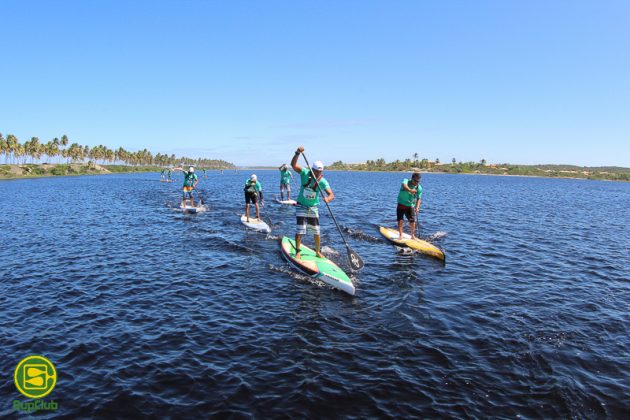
column 57, row 151
column 47, row 169
column 612, row 173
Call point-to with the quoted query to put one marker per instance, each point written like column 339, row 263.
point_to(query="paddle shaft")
column 265, row 215
column 417, row 223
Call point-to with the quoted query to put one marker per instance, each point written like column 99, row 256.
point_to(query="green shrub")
column 60, row 170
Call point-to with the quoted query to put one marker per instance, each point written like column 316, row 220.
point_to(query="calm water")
column 148, row 312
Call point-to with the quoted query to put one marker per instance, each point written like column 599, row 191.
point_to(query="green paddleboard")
column 313, row 266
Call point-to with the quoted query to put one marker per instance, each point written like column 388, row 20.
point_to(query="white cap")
column 318, row 166
column 253, row 177
column 191, row 169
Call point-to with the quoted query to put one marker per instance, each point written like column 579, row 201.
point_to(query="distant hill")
column 612, row 173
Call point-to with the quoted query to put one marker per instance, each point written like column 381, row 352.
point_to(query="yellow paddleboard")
column 419, row 245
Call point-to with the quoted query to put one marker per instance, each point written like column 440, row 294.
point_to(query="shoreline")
column 590, row 177
column 47, row 170
column 34, row 171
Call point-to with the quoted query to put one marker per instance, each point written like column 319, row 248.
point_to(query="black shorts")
column 251, row 197
column 402, row 211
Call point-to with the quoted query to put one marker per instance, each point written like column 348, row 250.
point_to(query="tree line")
column 398, row 165
column 60, row 150
column 457, row 167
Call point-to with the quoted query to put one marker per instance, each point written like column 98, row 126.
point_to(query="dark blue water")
column 149, row 312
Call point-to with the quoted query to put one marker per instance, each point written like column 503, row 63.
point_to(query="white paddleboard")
column 287, row 202
column 190, row 209
column 255, row 224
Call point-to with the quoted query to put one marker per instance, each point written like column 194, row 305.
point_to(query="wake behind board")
column 192, row 209
column 286, row 202
column 419, row 245
column 320, row 268
column 255, row 224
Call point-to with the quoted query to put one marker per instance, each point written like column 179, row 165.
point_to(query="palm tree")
column 35, row 149
column 56, row 148
column 27, row 148
column 12, row 145
column 483, row 162
column 75, row 152
column 64, row 143
column 454, row 161
column 437, row 161
column 415, row 159
column 18, row 152
column 51, row 149
column 3, row 147
column 94, row 153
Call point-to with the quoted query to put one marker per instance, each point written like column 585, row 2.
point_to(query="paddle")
column 416, row 225
column 355, row 261
column 268, row 221
column 266, row 216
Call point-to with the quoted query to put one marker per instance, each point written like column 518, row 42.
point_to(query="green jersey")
column 285, row 177
column 252, row 187
column 189, row 179
column 405, row 197
column 309, row 195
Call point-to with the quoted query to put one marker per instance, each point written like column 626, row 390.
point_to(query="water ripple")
column 148, row 312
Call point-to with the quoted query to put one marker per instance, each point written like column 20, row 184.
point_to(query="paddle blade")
column 355, row 261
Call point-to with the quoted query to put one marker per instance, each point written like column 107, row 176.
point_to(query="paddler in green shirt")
column 253, row 189
column 306, row 212
column 410, row 196
column 285, row 181
column 190, row 183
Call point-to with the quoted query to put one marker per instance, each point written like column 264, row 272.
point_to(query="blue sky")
column 514, row 81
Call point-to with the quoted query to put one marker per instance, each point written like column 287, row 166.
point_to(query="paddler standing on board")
column 190, row 183
column 306, row 212
column 285, row 181
column 409, row 196
column 253, row 189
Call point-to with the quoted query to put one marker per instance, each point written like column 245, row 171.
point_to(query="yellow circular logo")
column 35, row 376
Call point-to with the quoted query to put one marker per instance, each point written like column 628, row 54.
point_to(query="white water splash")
column 404, row 251
column 328, row 251
column 437, row 236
